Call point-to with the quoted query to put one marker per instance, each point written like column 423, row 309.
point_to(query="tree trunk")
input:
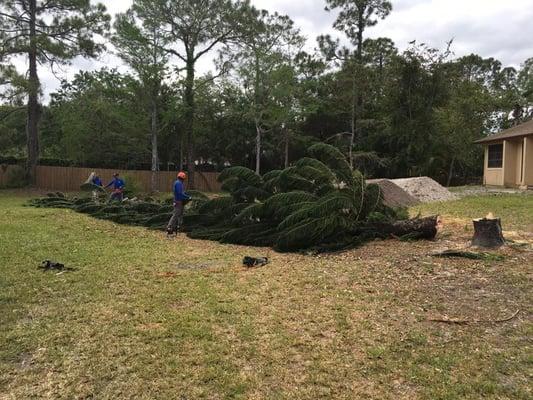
column 257, row 148
column 190, row 111
column 488, row 233
column 353, row 121
column 155, row 158
column 417, row 228
column 32, row 134
column 182, row 145
column 286, row 140
column 450, row 173
column 360, row 29
column 257, row 100
column 356, row 89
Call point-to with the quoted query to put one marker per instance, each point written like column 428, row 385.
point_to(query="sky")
column 491, row 28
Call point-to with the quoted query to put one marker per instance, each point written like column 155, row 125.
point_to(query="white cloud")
column 491, row 28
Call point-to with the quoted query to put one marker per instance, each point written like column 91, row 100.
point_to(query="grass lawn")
column 515, row 210
column 151, row 318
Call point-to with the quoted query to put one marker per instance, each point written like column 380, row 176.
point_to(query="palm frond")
column 289, row 180
column 246, row 235
column 250, row 194
column 296, row 218
column 373, row 200
column 309, row 233
column 283, row 212
column 340, row 202
column 281, row 200
column 231, row 184
column 334, row 159
column 216, row 205
column 272, row 174
column 242, row 173
column 251, row 213
column 317, row 168
column 369, row 160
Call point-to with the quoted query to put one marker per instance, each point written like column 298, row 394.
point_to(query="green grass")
column 147, row 317
column 515, row 210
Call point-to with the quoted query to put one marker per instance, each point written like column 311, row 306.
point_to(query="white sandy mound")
column 425, row 189
column 393, row 195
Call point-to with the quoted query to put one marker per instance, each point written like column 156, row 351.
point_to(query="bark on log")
column 416, row 228
column 488, row 233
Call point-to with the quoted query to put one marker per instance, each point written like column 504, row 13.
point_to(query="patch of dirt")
column 393, row 195
column 425, row 189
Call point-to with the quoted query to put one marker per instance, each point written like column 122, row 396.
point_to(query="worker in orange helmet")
column 180, row 199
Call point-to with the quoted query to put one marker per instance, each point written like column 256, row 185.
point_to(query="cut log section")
column 488, row 233
column 417, row 228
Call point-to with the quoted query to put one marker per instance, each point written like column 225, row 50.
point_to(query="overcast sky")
column 491, row 28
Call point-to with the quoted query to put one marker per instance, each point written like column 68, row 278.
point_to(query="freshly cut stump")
column 488, row 233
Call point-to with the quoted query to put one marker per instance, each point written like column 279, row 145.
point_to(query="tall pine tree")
column 49, row 33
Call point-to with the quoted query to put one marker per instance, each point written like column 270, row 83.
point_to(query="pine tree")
column 319, row 202
column 48, row 33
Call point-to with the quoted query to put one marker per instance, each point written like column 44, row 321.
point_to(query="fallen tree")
column 147, row 212
column 320, row 203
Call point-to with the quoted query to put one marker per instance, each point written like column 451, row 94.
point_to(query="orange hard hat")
column 182, row 175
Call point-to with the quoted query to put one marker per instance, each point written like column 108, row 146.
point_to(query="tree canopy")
column 392, row 112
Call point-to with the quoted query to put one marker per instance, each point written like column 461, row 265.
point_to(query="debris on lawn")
column 425, row 189
column 48, row 265
column 146, row 212
column 470, row 255
column 254, row 261
column 457, row 321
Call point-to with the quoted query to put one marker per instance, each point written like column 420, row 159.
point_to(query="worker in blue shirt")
column 97, row 181
column 180, row 199
column 118, row 187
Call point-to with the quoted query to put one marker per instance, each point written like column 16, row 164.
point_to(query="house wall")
column 512, row 155
column 514, row 171
column 528, row 161
column 519, row 161
column 492, row 176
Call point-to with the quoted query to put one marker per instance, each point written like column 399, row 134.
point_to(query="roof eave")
column 501, row 139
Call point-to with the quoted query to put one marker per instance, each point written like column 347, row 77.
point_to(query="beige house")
column 509, row 157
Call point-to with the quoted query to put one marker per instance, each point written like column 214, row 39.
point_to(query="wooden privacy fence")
column 4, row 174
column 70, row 178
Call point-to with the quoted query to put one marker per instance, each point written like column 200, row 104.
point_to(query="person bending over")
column 118, row 187
column 96, row 181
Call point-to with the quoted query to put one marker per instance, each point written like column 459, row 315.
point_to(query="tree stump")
column 488, row 233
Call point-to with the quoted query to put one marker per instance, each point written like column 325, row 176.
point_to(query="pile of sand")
column 393, row 195
column 425, row 189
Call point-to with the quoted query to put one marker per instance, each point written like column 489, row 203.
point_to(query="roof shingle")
column 523, row 129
